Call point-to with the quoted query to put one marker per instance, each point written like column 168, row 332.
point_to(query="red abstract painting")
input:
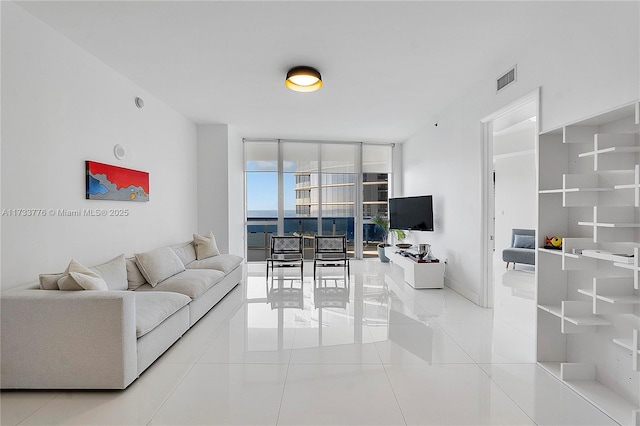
column 107, row 182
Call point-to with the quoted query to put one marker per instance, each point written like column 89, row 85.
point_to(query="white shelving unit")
column 588, row 292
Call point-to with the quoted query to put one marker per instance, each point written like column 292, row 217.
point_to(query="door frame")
column 488, row 199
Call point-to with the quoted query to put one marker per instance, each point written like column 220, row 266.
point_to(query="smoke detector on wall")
column 119, row 151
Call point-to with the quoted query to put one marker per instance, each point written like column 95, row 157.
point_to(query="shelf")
column 604, row 255
column 612, row 150
column 552, row 309
column 626, row 343
column 587, row 320
column 612, row 404
column 550, row 251
column 620, row 300
column 610, row 225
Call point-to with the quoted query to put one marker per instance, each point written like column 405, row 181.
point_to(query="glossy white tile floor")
column 366, row 351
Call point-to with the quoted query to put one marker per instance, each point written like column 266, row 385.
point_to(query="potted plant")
column 383, row 223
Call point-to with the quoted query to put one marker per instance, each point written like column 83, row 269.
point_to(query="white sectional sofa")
column 55, row 339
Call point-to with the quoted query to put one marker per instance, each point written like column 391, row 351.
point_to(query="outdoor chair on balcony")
column 286, row 252
column 330, row 251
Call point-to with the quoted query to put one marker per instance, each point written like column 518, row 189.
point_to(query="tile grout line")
column 507, row 394
column 386, row 374
column 57, row 395
column 286, row 376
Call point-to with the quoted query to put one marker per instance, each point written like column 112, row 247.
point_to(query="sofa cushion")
column 186, row 252
column 223, row 262
column 192, row 282
column 114, row 272
column 159, row 264
column 154, row 307
column 134, row 277
column 50, row 281
column 519, row 255
column 205, row 246
column 79, row 277
column 524, row 241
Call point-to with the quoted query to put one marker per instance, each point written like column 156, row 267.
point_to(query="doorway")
column 509, row 199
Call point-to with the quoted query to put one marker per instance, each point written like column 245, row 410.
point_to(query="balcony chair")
column 330, row 251
column 286, row 252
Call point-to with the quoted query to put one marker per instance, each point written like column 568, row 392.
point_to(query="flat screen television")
column 411, row 213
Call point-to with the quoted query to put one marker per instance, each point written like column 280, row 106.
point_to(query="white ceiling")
column 387, row 67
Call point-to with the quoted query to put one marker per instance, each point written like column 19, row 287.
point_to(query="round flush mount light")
column 303, row 79
column 139, row 102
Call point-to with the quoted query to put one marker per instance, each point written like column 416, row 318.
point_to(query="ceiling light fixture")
column 303, row 79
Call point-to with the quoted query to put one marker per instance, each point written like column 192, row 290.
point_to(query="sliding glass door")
column 311, row 188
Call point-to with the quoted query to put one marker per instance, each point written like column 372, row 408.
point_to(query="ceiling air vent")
column 506, row 79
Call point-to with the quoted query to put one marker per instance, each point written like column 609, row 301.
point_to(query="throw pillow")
column 186, row 252
column 49, row 281
column 114, row 272
column 134, row 277
column 159, row 264
column 79, row 277
column 524, row 241
column 205, row 246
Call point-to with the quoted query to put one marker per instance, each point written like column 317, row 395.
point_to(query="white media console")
column 418, row 275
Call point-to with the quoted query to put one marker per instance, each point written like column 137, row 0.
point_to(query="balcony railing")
column 258, row 235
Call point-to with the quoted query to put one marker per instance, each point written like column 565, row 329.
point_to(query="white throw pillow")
column 159, row 264
column 79, row 277
column 205, row 246
column 134, row 277
column 50, row 281
column 114, row 273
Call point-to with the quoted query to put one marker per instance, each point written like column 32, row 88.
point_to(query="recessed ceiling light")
column 303, row 79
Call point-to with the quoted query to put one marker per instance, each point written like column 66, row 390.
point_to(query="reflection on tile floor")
column 360, row 350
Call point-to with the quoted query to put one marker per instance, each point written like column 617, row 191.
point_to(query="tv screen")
column 412, row 213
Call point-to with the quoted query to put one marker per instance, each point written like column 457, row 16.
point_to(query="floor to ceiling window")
column 312, row 188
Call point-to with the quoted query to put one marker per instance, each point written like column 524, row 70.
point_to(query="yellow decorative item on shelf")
column 554, row 242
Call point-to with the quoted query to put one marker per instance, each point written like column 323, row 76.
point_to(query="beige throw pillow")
column 159, row 264
column 49, row 281
column 114, row 273
column 79, row 277
column 205, row 246
column 134, row 277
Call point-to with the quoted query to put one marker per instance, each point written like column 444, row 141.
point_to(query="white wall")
column 516, row 201
column 60, row 107
column 213, row 190
column 585, row 58
column 236, row 194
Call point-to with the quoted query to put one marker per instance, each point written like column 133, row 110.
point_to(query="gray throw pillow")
column 524, row 241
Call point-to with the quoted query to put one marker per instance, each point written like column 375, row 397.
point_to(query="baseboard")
column 462, row 290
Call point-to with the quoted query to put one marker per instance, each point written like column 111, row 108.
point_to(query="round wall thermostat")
column 139, row 102
column 119, row 152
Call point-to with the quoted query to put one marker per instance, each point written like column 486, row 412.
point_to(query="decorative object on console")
column 424, row 252
column 107, row 182
column 403, row 245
